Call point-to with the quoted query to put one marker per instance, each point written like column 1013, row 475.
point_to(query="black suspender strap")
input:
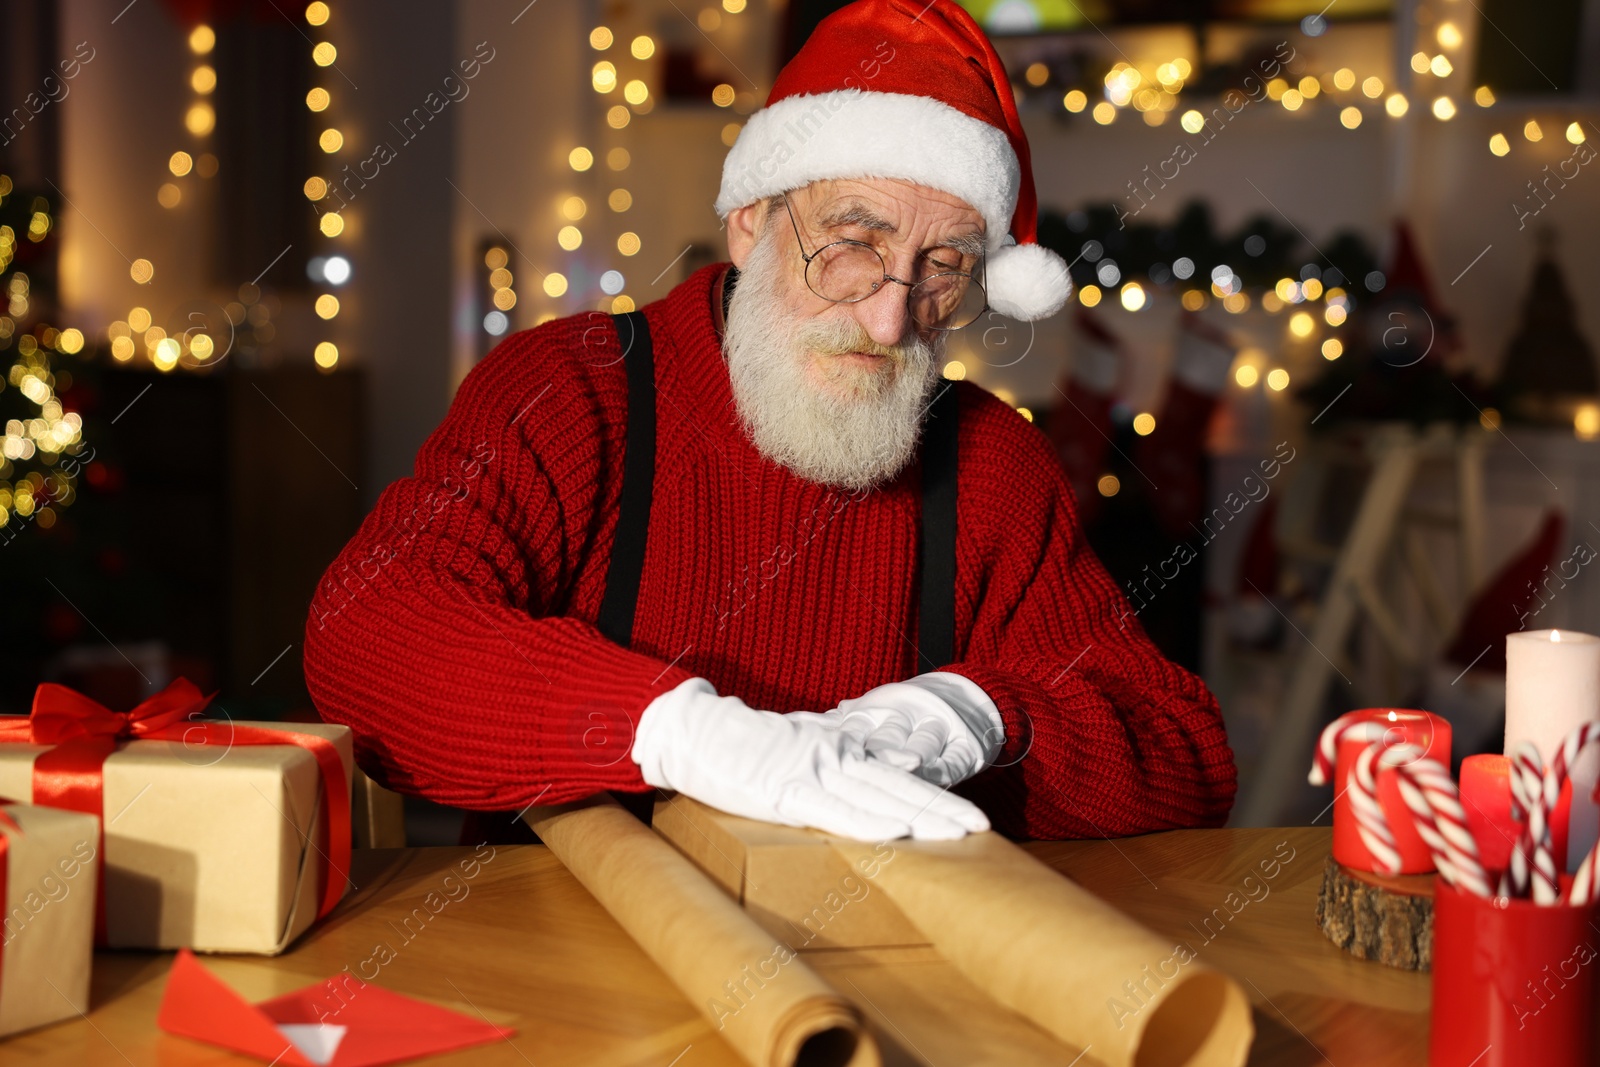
column 936, row 630
column 638, row 481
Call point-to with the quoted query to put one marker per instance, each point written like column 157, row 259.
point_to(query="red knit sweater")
column 455, row 632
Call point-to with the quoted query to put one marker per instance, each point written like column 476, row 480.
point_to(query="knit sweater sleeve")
column 452, row 634
column 1104, row 735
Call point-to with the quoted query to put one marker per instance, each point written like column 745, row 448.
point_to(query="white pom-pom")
column 1027, row 282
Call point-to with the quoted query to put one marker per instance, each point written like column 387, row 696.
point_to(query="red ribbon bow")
column 85, row 732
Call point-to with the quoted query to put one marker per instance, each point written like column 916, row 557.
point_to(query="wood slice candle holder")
column 1388, row 918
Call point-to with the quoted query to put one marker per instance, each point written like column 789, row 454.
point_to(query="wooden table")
column 522, row 944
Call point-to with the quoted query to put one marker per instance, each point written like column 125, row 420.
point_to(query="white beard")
column 860, row 429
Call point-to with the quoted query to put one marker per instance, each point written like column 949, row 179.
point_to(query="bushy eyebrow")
column 855, row 213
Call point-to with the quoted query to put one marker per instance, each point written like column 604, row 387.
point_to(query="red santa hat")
column 906, row 89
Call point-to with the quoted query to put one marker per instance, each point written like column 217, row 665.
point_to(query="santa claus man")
column 746, row 543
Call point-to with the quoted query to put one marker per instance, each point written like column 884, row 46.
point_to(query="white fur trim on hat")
column 851, row 133
column 1027, row 282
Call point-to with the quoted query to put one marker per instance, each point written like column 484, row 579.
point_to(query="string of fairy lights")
column 1153, row 91
column 621, row 75
column 331, row 269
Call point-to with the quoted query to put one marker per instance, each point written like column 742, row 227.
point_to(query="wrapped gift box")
column 47, row 881
column 213, row 840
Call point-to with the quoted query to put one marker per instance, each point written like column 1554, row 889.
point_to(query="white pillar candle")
column 1553, row 687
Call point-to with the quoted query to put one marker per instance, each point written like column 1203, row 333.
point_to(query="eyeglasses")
column 845, row 272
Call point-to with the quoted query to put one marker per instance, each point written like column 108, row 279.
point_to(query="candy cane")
column 1534, row 790
column 1371, row 824
column 1345, row 727
column 1585, row 884
column 1441, row 822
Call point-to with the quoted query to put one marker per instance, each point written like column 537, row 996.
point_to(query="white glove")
column 941, row 726
column 789, row 769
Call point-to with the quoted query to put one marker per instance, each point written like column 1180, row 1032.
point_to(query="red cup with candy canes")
column 1339, row 748
column 1514, row 981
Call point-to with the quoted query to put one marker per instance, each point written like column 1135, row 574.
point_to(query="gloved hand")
column 941, row 726
column 789, row 769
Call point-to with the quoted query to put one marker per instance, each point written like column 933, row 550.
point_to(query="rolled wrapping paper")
column 1055, row 953
column 773, row 1009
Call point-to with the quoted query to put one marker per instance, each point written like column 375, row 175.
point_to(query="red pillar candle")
column 1423, row 729
column 1486, row 797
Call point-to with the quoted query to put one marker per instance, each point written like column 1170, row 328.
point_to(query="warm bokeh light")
column 330, row 141
column 955, row 370
column 1108, row 485
column 202, row 39
column 318, row 99
column 200, row 119
column 1334, row 315
column 1444, row 109
column 1396, row 105
column 1499, row 145
column 618, row 117
column 1586, row 421
column 141, row 271
column 1344, row 78
column 621, row 305
column 1193, row 300
column 169, row 195
column 733, row 7
column 1192, row 121
column 1292, row 100
column 628, row 244
column 1489, row 418
column 1532, row 131
column 620, row 200
column 574, row 208
column 730, row 133
column 1246, row 375
column 1373, row 87
column 604, row 76
column 1332, row 348
column 580, row 159
column 1483, row 96
column 1419, row 62
column 1448, row 35
column 1301, row 324
column 1575, row 133
column 326, row 354
column 1144, row 424
column 1105, row 113
column 1309, row 87
column 555, row 284
column 317, row 13
column 616, row 159
column 570, row 238
column 139, row 320
column 1089, row 295
column 315, row 188
column 324, row 54
column 203, row 79
column 643, row 47
column 331, row 224
column 1278, row 380
column 180, row 164
column 1133, row 296
column 1441, row 67
column 636, row 92
column 1075, row 100
column 600, row 38
column 505, row 299
column 722, row 95
column 327, row 306
column 1037, row 74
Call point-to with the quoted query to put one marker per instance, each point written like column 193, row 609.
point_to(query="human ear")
column 744, row 229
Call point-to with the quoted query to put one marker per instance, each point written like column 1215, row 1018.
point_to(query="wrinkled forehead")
column 893, row 207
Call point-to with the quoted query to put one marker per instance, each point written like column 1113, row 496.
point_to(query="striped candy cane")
column 1534, row 790
column 1371, row 824
column 1435, row 803
column 1346, row 727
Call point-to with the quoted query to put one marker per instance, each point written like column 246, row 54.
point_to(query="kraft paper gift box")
column 47, row 884
column 219, row 836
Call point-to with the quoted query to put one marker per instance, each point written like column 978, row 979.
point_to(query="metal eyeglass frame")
column 887, row 277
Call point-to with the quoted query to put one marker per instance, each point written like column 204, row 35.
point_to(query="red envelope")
column 336, row 1023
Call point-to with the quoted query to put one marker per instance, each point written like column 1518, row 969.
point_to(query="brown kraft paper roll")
column 770, row 1007
column 1055, row 953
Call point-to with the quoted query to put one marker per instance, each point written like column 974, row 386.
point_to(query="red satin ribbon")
column 84, row 732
